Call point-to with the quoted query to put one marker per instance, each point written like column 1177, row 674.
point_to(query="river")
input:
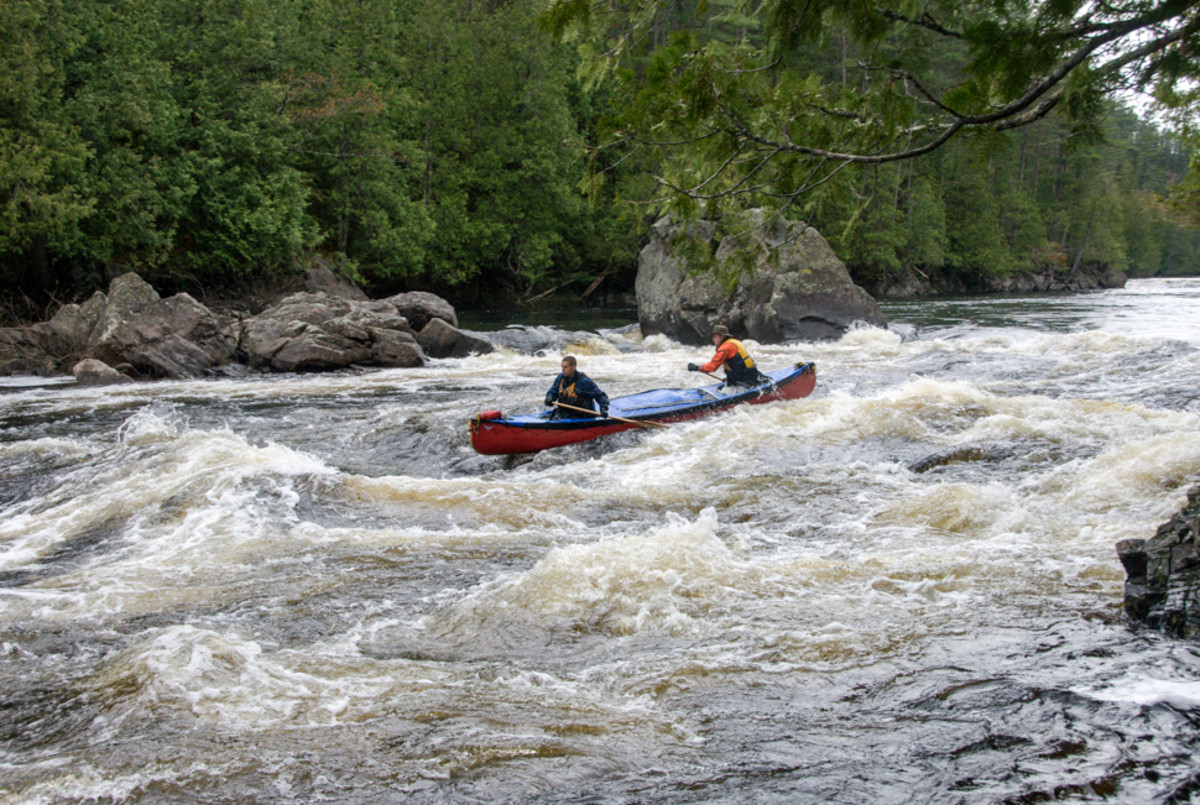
column 901, row 589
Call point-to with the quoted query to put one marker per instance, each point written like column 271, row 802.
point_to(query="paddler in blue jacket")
column 573, row 387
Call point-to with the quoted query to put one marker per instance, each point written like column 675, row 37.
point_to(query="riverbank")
column 914, row 284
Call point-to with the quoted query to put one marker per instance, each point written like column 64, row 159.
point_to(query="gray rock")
column 91, row 372
column 420, row 306
column 395, row 348
column 127, row 296
column 1162, row 583
column 313, row 349
column 795, row 290
column 309, row 332
column 73, row 328
column 442, row 340
column 22, row 352
column 175, row 337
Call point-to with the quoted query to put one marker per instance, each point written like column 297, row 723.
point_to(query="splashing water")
column 903, row 588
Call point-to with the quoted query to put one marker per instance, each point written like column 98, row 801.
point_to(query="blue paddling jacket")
column 579, row 390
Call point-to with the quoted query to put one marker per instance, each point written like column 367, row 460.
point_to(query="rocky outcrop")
column 175, row 337
column 795, row 288
column 309, row 332
column 1083, row 278
column 23, row 352
column 133, row 329
column 1162, row 584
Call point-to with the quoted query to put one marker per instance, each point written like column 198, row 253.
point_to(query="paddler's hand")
column 693, row 367
column 604, row 413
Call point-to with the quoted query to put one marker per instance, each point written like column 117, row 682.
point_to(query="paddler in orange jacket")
column 731, row 353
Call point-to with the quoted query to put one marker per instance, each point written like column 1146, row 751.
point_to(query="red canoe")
column 494, row 434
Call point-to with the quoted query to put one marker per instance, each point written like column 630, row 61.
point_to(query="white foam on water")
column 219, row 678
column 52, row 447
column 179, row 510
column 497, row 504
column 1147, row 690
column 668, row 580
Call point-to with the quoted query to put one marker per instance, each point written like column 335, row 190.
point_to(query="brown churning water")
column 903, row 588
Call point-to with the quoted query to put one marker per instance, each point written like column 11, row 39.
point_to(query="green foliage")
column 42, row 153
column 499, row 178
column 926, row 239
column 457, row 143
column 351, row 132
column 798, row 113
column 975, row 242
column 421, row 143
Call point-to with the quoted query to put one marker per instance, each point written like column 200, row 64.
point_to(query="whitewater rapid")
column 903, row 588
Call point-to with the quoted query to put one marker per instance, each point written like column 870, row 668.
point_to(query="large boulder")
column 420, row 306
column 70, row 331
column 440, row 339
column 395, row 348
column 176, row 337
column 128, row 295
column 1162, row 582
column 795, row 288
column 309, row 332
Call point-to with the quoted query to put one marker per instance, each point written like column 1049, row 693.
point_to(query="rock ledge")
column 1162, row 585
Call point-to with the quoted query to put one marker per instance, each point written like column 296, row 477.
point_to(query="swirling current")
column 901, row 589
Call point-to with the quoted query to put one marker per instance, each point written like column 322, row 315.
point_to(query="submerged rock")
column 539, row 340
column 957, row 455
column 91, row 372
column 1162, row 584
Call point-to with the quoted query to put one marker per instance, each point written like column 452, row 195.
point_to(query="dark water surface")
column 902, row 589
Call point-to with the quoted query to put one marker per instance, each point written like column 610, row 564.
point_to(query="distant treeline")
column 450, row 145
column 1042, row 200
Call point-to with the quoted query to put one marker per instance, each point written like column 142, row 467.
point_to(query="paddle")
column 618, row 418
column 710, row 374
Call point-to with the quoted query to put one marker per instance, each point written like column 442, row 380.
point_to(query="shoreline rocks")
column 912, row 284
column 145, row 336
column 1162, row 586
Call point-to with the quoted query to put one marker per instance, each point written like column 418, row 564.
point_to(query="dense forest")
column 473, row 148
